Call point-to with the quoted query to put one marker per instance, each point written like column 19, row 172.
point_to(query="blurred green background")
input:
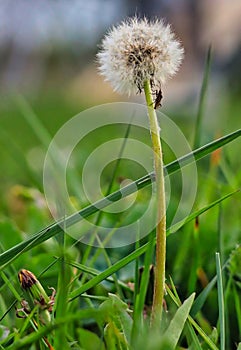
column 49, row 74
column 48, row 58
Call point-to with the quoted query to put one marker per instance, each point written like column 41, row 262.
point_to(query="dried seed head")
column 31, row 284
column 26, row 279
column 36, row 295
column 138, row 50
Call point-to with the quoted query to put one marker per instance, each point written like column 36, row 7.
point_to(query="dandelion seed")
column 137, row 51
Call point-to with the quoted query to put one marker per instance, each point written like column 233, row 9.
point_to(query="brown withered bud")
column 26, row 279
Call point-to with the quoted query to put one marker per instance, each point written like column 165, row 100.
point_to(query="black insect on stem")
column 157, row 102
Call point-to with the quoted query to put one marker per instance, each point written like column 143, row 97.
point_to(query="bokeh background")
column 48, row 69
column 48, row 74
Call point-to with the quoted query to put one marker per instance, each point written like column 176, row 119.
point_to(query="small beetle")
column 158, row 99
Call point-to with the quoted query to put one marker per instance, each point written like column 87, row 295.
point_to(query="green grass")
column 103, row 298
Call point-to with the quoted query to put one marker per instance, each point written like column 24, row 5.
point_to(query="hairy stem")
column 159, row 281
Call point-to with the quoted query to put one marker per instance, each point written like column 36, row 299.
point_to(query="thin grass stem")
column 220, row 302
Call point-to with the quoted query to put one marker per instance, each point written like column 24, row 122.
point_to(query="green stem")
column 159, row 282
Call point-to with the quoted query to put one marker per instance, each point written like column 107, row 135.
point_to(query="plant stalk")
column 159, row 280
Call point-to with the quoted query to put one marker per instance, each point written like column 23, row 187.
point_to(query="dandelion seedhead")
column 136, row 51
column 139, row 56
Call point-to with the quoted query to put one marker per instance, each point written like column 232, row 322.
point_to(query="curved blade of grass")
column 39, row 237
column 7, row 310
column 201, row 152
column 132, row 256
column 94, row 272
column 175, row 328
column 191, row 321
column 64, row 276
column 192, row 338
column 108, row 272
column 10, row 286
column 175, row 227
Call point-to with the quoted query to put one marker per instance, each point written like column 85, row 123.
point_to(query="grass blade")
column 202, row 97
column 41, row 133
column 17, row 155
column 192, row 216
column 132, row 256
column 141, row 290
column 61, row 304
column 108, row 272
column 33, row 121
column 220, row 302
column 191, row 320
column 94, row 272
column 100, row 213
column 236, row 297
column 175, row 328
column 199, row 302
column 139, row 251
column 10, row 286
column 50, row 231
